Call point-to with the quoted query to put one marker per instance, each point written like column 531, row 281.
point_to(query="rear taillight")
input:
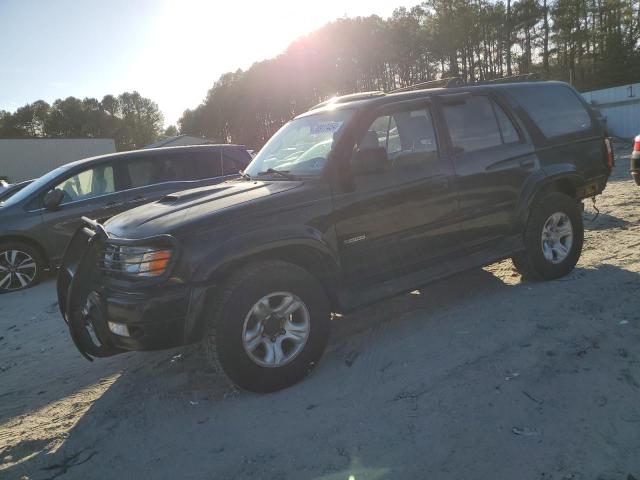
column 611, row 161
column 636, row 144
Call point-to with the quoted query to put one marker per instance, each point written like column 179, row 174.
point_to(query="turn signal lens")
column 155, row 263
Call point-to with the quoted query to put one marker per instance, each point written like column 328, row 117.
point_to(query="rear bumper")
column 105, row 318
column 592, row 186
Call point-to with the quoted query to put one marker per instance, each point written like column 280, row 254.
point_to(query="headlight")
column 137, row 262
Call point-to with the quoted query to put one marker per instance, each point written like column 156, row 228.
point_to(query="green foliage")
column 170, row 131
column 132, row 120
column 592, row 43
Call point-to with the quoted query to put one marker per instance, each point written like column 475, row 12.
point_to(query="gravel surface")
column 479, row 376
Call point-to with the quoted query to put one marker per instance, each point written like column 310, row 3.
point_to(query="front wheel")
column 269, row 326
column 20, row 266
column 553, row 238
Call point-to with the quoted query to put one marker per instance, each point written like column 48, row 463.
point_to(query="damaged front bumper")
column 107, row 317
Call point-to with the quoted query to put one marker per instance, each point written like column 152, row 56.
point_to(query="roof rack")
column 448, row 82
column 525, row 77
column 348, row 98
column 442, row 82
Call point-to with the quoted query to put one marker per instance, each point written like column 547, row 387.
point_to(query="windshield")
column 11, row 190
column 33, row 187
column 301, row 146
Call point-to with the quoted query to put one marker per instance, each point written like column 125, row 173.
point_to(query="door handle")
column 138, row 200
column 110, row 205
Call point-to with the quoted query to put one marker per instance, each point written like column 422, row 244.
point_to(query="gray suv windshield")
column 33, row 187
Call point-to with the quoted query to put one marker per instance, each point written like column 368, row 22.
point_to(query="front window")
column 302, row 146
column 90, row 183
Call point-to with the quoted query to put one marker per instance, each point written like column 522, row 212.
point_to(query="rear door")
column 391, row 221
column 492, row 160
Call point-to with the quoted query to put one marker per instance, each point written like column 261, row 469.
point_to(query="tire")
column 20, row 266
column 556, row 256
column 255, row 300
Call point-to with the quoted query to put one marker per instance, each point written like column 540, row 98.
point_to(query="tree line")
column 132, row 120
column 589, row 43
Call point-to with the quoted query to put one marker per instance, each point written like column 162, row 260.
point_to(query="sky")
column 171, row 51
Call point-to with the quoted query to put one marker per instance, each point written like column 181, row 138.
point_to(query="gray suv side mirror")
column 369, row 160
column 53, row 199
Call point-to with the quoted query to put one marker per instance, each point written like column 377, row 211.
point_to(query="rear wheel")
column 20, row 266
column 269, row 326
column 553, row 238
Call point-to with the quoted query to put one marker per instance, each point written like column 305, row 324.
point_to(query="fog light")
column 119, row 329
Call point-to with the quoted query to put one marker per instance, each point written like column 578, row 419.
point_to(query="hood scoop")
column 204, row 193
column 187, row 195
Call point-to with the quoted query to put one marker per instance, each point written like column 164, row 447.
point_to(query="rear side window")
column 230, row 166
column 478, row 123
column 174, row 168
column 202, row 165
column 508, row 129
column 555, row 109
column 143, row 172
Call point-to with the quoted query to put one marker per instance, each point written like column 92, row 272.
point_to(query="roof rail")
column 349, row 98
column 441, row 82
column 525, row 77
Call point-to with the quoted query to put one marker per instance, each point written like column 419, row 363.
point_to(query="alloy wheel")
column 276, row 329
column 18, row 269
column 557, row 237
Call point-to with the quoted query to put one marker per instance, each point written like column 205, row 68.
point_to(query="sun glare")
column 190, row 43
column 198, row 37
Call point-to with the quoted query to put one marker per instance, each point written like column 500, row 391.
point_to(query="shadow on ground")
column 470, row 378
column 603, row 221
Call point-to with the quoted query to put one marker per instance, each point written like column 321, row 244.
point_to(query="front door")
column 91, row 193
column 390, row 221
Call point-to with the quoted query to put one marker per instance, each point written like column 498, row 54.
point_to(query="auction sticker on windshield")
column 325, row 127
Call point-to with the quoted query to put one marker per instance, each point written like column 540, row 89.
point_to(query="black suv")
column 361, row 198
column 37, row 219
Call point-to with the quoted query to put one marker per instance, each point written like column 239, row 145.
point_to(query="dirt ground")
column 480, row 376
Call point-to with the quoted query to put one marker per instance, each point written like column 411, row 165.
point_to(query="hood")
column 181, row 210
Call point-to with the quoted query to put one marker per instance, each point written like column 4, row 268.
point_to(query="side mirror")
column 53, row 199
column 369, row 160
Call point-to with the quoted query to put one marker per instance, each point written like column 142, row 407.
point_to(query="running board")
column 436, row 270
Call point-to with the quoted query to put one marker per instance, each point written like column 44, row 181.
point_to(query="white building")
column 27, row 158
column 621, row 108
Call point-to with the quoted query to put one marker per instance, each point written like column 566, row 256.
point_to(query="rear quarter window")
column 473, row 124
column 555, row 109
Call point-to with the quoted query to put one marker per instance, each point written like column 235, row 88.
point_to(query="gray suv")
column 37, row 221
